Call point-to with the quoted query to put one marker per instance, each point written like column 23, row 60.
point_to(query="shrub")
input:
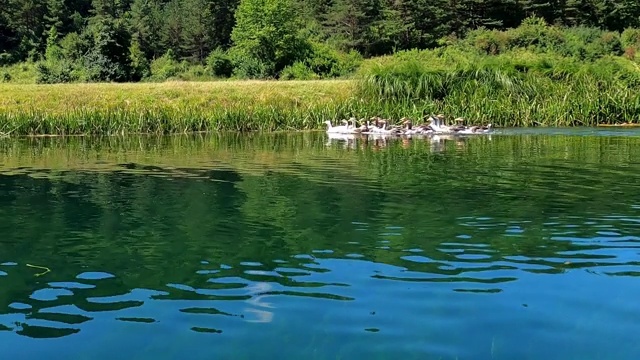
column 630, row 38
column 5, row 59
column 73, row 46
column 219, row 64
column 298, row 71
column 252, row 68
column 488, row 42
column 327, row 62
column 53, row 72
column 531, row 32
column 165, row 67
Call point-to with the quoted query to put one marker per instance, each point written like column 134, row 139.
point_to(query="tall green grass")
column 518, row 89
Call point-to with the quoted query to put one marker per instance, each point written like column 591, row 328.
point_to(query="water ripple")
column 509, row 247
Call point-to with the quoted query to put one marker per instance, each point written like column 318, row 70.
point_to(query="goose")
column 409, row 130
column 477, row 129
column 459, row 125
column 438, row 126
column 484, row 129
column 342, row 129
column 393, row 130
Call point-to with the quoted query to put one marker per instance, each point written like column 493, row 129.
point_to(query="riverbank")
column 171, row 107
column 508, row 90
column 533, row 75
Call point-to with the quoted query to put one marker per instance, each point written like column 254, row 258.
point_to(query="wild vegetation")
column 170, row 107
column 154, row 40
column 467, row 60
column 535, row 74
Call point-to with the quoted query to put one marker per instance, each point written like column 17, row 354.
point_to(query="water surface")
column 520, row 245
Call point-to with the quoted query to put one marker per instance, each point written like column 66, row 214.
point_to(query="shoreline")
column 180, row 107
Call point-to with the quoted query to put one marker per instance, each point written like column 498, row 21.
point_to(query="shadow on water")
column 515, row 245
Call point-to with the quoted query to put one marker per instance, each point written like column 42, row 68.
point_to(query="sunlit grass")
column 516, row 89
column 171, row 107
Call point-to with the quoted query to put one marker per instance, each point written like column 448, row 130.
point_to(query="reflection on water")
column 298, row 246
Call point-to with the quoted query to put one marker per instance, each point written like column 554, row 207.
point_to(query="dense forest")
column 128, row 40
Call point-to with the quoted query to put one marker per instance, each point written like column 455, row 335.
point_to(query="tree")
column 349, row 22
column 173, row 27
column 267, row 31
column 198, row 35
column 56, row 15
column 145, row 26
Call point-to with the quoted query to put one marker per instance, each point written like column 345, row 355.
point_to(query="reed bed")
column 508, row 91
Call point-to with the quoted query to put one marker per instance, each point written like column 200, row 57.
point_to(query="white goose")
column 438, row 126
column 341, row 129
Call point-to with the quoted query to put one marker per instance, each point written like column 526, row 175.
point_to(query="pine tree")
column 349, row 23
column 145, row 26
column 198, row 34
column 173, row 27
column 56, row 14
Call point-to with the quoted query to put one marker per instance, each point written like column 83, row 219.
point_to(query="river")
column 524, row 244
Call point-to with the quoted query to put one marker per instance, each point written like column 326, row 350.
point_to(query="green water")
column 522, row 245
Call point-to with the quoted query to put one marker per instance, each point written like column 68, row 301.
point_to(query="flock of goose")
column 378, row 126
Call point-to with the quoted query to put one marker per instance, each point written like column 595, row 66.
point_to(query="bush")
column 5, row 59
column 219, row 64
column 630, row 38
column 165, row 67
column 139, row 64
column 101, row 68
column 298, row 71
column 5, row 77
column 327, row 62
column 252, row 68
column 487, row 42
column 53, row 72
column 73, row 46
column 531, row 32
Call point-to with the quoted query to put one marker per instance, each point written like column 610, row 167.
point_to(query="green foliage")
column 53, row 51
column 56, row 71
column 104, row 40
column 139, row 65
column 327, row 62
column 630, row 38
column 5, row 59
column 165, row 67
column 74, row 47
column 108, row 58
column 252, row 68
column 298, row 71
column 219, row 63
column 535, row 35
column 525, row 88
column 266, row 37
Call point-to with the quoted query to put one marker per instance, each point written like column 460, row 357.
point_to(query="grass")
column 516, row 89
column 171, row 107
